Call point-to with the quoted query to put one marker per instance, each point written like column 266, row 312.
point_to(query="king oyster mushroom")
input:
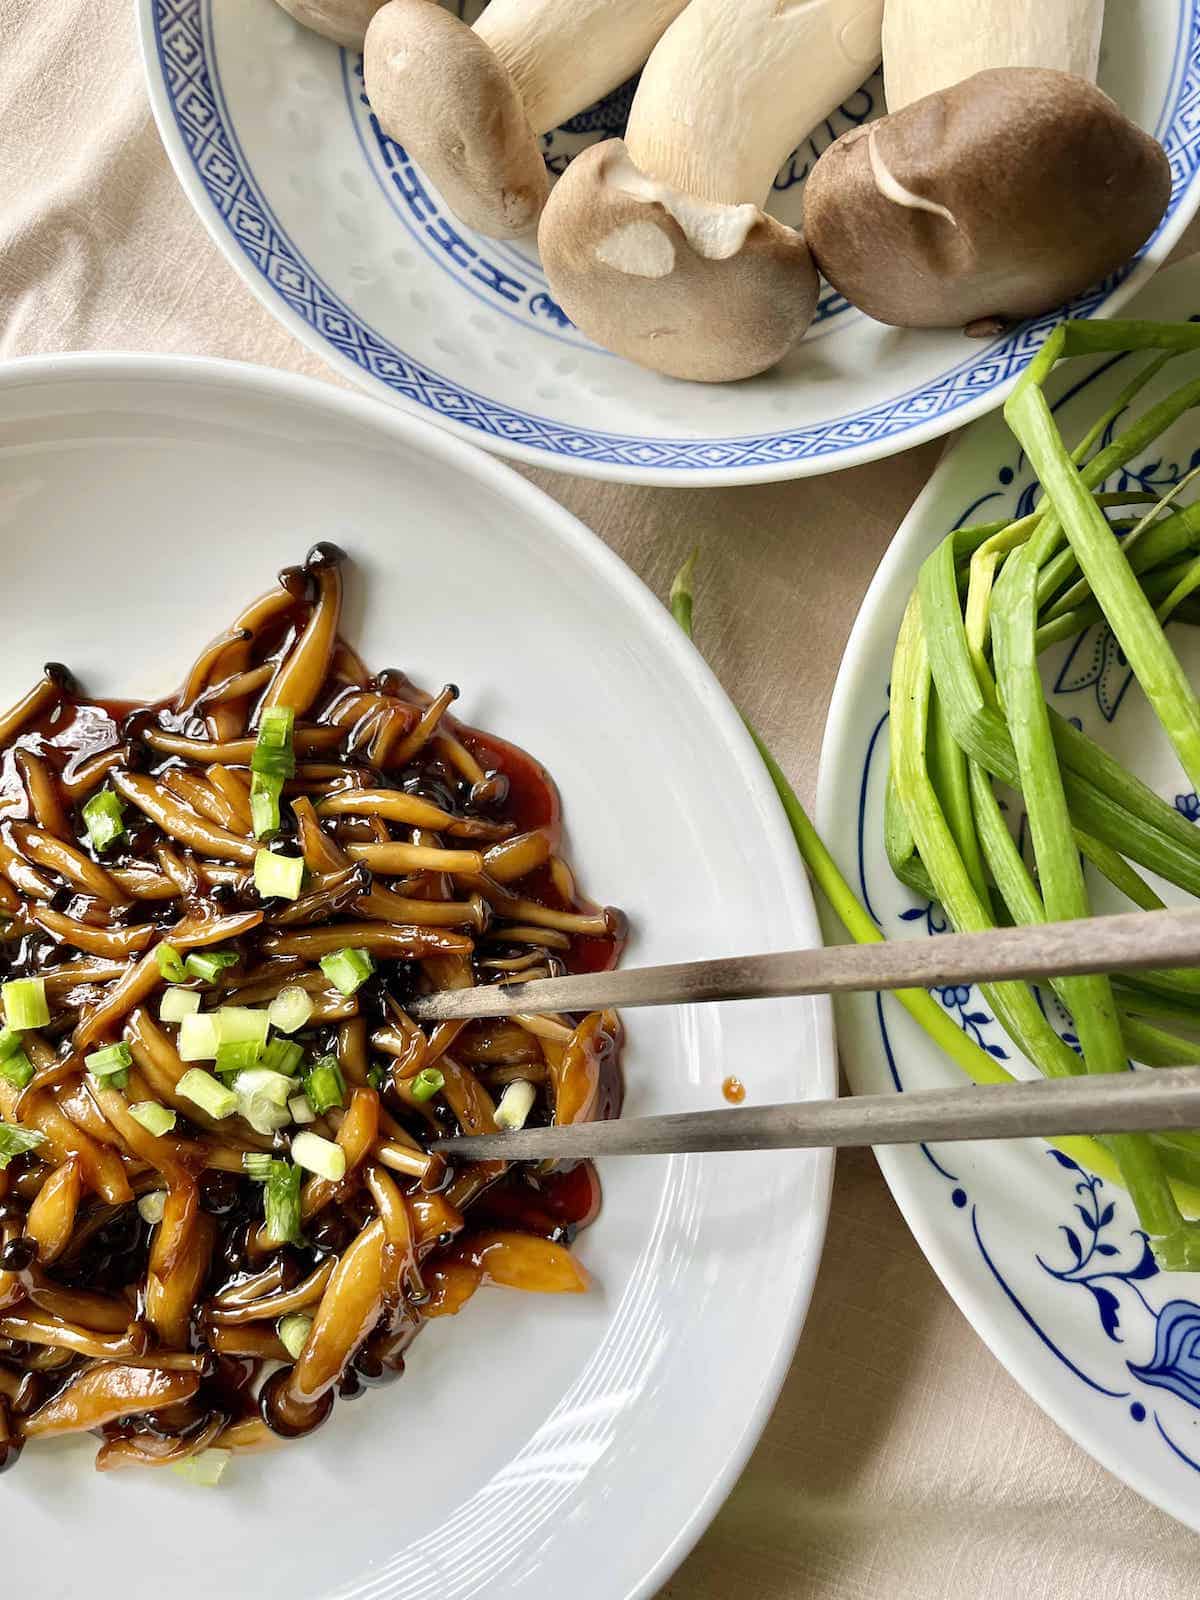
column 471, row 104
column 996, row 189
column 343, row 21
column 656, row 245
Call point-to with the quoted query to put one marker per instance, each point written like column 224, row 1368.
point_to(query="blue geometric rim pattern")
column 182, row 40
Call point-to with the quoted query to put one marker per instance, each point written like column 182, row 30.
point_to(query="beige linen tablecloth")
column 902, row 1462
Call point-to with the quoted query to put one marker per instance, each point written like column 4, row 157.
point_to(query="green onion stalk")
column 968, row 712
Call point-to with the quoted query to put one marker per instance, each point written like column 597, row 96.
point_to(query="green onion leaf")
column 325, row 1086
column 17, row 1142
column 273, row 753
column 102, row 817
column 322, row 1156
column 293, row 1333
column 377, row 1078
column 282, row 1055
column 110, row 1066
column 207, row 1092
column 264, row 804
column 277, row 876
column 177, row 1003
column 151, row 1206
column 10, row 1043
column 25, row 1003
column 154, row 1118
column 170, row 963
column 257, row 1165
column 205, row 1470
column 235, row 1023
column 428, row 1082
column 238, row 1056
column 281, row 1204
column 291, row 1008
column 16, row 1069
column 347, row 969
column 198, row 1037
column 209, row 964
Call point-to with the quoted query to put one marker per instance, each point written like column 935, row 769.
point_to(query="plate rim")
column 528, row 499
column 968, row 1289
column 886, row 441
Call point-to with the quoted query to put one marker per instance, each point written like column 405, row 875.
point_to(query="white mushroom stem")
column 563, row 58
column 929, row 45
column 734, row 85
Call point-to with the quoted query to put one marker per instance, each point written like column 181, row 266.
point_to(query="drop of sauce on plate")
column 734, row 1091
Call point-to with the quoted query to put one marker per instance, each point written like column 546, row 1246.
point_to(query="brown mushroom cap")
column 996, row 199
column 688, row 288
column 439, row 90
column 343, row 21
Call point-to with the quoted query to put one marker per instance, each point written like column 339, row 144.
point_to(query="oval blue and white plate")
column 346, row 243
column 1045, row 1260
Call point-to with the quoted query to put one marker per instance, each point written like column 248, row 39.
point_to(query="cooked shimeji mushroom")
column 471, row 104
column 1002, row 183
column 657, row 245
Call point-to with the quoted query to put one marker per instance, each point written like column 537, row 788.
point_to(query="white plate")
column 1044, row 1260
column 343, row 240
column 535, row 1446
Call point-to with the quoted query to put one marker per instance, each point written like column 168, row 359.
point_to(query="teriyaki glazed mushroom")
column 657, row 245
column 471, row 104
column 1003, row 181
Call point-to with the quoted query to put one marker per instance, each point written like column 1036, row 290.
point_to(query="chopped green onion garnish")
column 347, row 969
column 207, row 1092
column 236, row 1023
column 273, row 747
column 239, row 1056
column 377, row 1078
column 170, row 963
column 177, row 1003
column 102, row 816
column 198, row 1037
column 109, row 1063
column 262, row 1098
column 325, row 1086
column 16, row 1069
column 10, row 1043
column 322, row 1156
column 428, row 1082
column 25, row 1003
column 17, row 1142
column 300, row 1110
column 291, row 1008
column 278, row 876
column 515, row 1104
column 204, row 1470
column 293, row 1333
column 282, row 1055
column 151, row 1206
column 281, row 1204
column 264, row 803
column 257, row 1165
column 208, row 964
column 154, row 1118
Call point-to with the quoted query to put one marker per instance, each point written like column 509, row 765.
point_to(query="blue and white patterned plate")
column 1045, row 1260
column 342, row 238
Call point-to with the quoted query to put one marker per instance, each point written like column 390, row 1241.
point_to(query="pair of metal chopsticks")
column 1129, row 1102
